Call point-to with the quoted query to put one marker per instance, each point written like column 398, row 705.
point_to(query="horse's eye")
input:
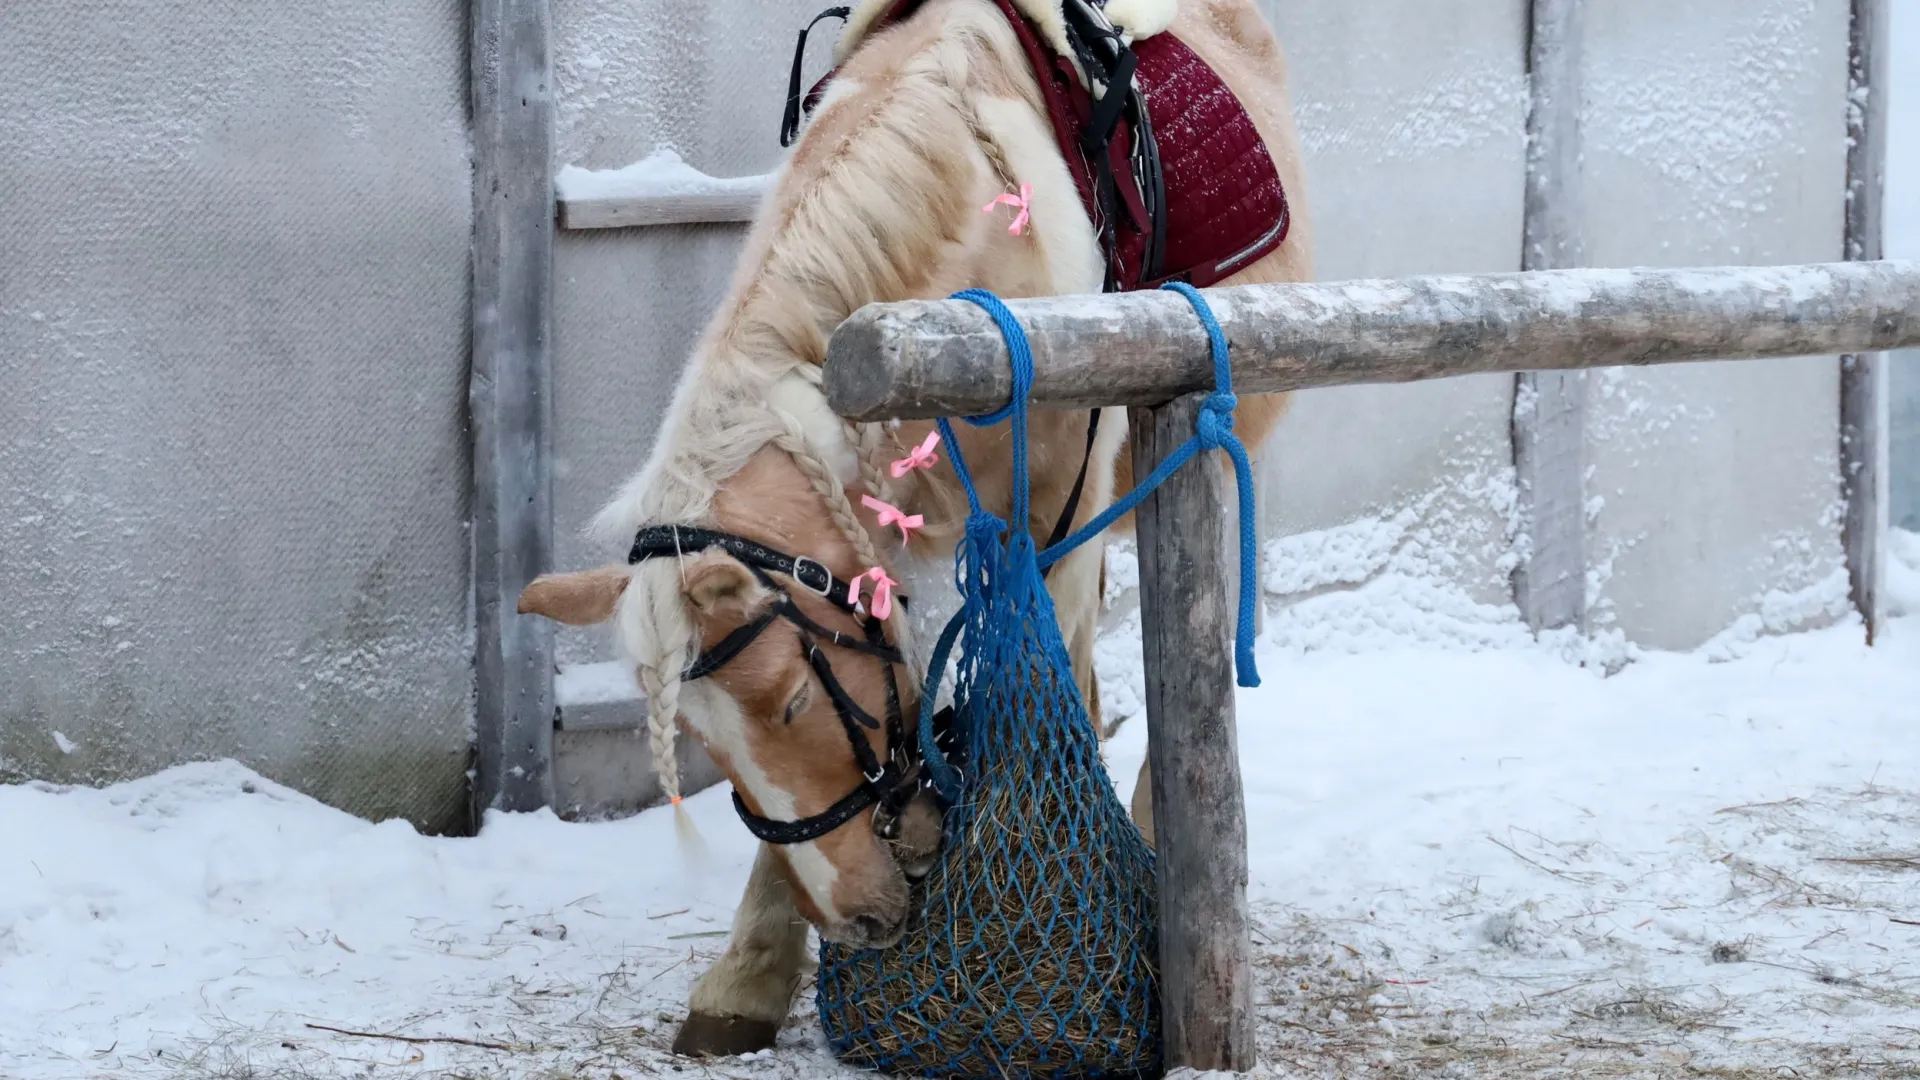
column 798, row 703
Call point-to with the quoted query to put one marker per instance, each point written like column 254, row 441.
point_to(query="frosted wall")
column 233, row 312
column 1903, row 242
column 1412, row 116
column 1715, row 133
column 710, row 81
column 233, row 352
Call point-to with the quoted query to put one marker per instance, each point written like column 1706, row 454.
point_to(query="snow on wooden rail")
column 929, row 358
column 659, row 189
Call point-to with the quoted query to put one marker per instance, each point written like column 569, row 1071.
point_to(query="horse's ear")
column 720, row 586
column 581, row 598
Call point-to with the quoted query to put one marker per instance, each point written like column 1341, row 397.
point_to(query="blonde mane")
column 878, row 201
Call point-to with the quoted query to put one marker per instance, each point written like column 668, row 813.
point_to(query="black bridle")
column 884, row 785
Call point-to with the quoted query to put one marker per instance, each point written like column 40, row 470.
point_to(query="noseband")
column 884, row 785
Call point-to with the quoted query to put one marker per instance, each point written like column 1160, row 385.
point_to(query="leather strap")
column 657, row 541
column 1064, row 524
column 790, row 120
column 809, row 828
column 887, row 783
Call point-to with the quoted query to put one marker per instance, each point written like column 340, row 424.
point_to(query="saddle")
column 1172, row 172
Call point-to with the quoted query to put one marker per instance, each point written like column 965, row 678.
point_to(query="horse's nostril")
column 874, row 931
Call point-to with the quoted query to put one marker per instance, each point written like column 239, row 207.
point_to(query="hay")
column 1033, row 947
column 1006, row 969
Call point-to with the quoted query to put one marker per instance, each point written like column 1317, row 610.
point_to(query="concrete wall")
column 1904, row 446
column 710, row 81
column 233, row 466
column 1713, row 133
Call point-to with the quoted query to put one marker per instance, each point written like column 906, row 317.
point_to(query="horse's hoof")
column 710, row 1035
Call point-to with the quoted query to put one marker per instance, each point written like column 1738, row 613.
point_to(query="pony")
column 757, row 605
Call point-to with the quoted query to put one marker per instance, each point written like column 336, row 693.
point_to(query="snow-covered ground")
column 1470, row 858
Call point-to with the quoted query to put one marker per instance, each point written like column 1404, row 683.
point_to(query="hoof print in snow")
column 707, row 1035
column 1517, row 931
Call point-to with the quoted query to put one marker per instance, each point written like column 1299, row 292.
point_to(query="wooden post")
column 1199, row 812
column 1864, row 397
column 509, row 400
column 1550, row 407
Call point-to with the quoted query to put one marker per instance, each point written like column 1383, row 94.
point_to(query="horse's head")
column 786, row 688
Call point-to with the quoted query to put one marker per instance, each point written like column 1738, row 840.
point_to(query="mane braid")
column 823, row 247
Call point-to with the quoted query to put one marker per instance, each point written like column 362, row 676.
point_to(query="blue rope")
column 982, row 528
column 1052, row 979
column 1213, row 430
column 1020, row 357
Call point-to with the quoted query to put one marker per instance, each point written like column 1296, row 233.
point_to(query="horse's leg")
column 1079, row 610
column 1143, row 802
column 1075, row 587
column 1093, row 635
column 740, row 1002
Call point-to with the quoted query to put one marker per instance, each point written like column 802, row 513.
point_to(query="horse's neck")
column 914, row 112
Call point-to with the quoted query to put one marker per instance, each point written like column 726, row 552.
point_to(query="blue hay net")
column 1032, row 951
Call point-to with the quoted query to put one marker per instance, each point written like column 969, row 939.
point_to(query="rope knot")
column 1215, row 423
column 983, row 525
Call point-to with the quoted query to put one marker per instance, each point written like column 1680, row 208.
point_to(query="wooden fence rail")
column 1147, row 351
column 926, row 358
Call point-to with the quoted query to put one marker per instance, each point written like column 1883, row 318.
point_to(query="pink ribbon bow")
column 882, row 592
column 890, row 514
column 1024, row 201
column 920, row 457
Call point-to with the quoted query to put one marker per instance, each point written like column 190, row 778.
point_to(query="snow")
column 659, row 174
column 204, row 916
column 595, row 684
column 1903, row 573
column 1465, row 851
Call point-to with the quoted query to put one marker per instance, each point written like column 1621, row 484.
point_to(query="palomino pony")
column 745, row 603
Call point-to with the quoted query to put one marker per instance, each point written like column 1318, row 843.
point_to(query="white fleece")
column 1139, row 18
